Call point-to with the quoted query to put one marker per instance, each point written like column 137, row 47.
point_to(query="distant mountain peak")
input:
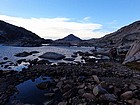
column 71, row 37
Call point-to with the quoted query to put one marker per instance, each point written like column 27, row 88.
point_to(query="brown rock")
column 127, row 95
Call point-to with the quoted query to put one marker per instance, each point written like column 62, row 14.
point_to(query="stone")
column 5, row 58
column 52, row 55
column 69, row 59
column 96, row 79
column 51, row 102
column 88, row 96
column 59, row 84
column 81, row 91
column 23, row 54
column 34, row 52
column 42, row 86
column 132, row 87
column 127, row 95
column 20, row 61
column 44, row 61
column 98, row 90
column 81, row 86
column 108, row 97
column 49, row 94
column 134, row 52
column 134, row 101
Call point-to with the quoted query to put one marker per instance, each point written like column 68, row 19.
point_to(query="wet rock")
column 108, row 97
column 127, row 95
column 52, row 55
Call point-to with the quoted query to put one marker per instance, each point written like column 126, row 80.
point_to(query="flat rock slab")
column 52, row 55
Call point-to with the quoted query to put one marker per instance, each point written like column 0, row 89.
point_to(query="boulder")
column 134, row 53
column 23, row 54
column 52, row 55
column 96, row 79
column 69, row 59
column 98, row 90
column 88, row 96
column 42, row 86
column 127, row 95
column 108, row 97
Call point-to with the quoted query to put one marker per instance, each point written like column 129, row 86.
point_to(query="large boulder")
column 52, row 55
column 134, row 53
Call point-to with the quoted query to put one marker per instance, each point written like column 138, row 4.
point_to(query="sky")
column 54, row 19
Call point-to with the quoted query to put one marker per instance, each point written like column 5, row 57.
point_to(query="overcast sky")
column 58, row 18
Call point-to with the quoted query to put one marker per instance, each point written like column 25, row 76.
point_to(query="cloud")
column 86, row 18
column 57, row 27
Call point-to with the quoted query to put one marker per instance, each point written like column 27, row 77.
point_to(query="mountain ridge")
column 123, row 36
column 17, row 36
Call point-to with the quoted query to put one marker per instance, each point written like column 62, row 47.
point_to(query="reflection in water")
column 29, row 93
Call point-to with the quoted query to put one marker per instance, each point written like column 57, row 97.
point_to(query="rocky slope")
column 17, row 36
column 125, row 35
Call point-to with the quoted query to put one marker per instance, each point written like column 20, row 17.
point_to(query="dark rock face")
column 18, row 36
column 52, row 55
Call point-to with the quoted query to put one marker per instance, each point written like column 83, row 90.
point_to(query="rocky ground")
column 102, row 83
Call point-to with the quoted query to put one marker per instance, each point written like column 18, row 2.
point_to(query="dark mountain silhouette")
column 18, row 36
column 70, row 38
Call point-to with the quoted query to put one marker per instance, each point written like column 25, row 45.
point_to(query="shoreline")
column 85, row 78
